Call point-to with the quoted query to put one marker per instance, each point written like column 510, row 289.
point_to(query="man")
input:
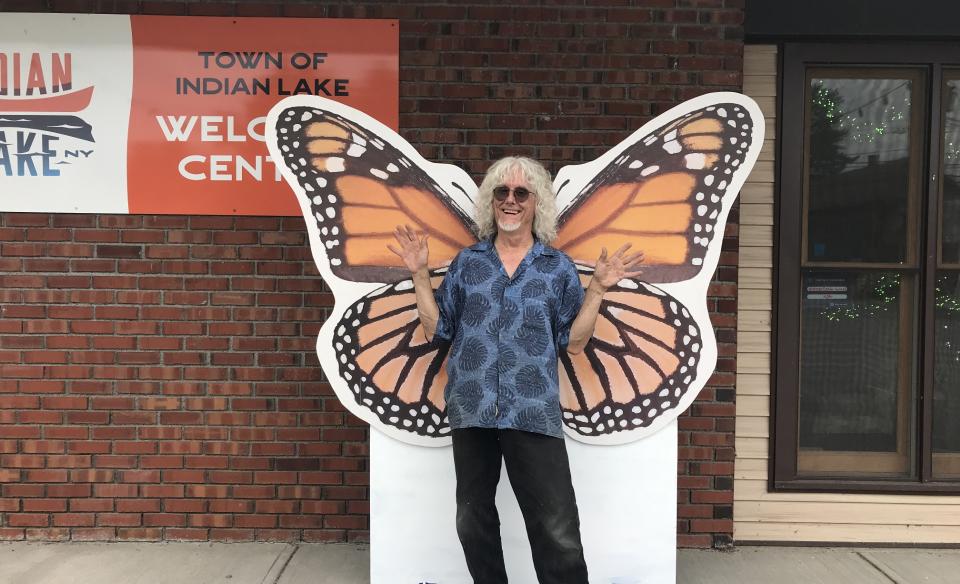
column 508, row 305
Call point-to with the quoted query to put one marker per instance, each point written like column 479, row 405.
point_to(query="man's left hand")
column 611, row 269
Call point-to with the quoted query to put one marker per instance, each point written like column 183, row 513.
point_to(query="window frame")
column 948, row 462
column 796, row 60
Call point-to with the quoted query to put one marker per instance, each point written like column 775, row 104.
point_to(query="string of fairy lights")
column 860, row 130
column 884, row 293
column 857, row 128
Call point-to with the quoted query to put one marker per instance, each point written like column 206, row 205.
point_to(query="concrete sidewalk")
column 278, row 563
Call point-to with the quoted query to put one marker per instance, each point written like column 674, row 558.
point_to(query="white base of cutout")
column 627, row 496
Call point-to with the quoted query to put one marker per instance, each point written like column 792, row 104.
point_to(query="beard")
column 508, row 227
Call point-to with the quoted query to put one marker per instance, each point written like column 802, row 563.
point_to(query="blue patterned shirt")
column 505, row 335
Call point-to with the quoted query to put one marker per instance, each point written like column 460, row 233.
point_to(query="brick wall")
column 157, row 375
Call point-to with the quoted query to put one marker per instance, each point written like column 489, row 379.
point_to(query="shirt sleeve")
column 571, row 298
column 447, row 296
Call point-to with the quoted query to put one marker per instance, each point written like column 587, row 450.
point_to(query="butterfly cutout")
column 666, row 189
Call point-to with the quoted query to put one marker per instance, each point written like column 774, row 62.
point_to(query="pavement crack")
column 877, row 567
column 283, row 568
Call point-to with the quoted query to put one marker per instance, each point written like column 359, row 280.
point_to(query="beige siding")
column 760, row 515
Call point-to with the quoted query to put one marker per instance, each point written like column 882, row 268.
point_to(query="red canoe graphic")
column 66, row 102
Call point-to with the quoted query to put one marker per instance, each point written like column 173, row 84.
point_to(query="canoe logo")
column 40, row 133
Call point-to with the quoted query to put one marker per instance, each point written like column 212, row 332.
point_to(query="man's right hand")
column 412, row 249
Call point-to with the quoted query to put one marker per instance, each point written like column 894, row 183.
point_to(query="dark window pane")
column 946, row 376
column 856, row 373
column 950, row 218
column 859, row 140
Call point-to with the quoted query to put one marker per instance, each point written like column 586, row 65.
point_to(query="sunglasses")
column 520, row 194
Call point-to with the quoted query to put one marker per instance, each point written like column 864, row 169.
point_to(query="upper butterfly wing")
column 359, row 180
column 665, row 189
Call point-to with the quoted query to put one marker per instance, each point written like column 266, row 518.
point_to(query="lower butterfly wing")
column 640, row 364
column 666, row 189
column 393, row 376
column 357, row 180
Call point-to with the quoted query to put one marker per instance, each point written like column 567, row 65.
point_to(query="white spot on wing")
column 335, row 164
column 649, row 170
column 695, row 161
column 672, row 147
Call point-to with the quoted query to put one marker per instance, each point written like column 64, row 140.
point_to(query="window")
column 946, row 300
column 867, row 380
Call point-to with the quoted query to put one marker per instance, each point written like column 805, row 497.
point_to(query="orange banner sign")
column 165, row 115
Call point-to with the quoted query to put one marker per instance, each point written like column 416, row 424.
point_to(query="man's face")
column 515, row 211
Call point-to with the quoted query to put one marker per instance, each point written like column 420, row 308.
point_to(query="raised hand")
column 611, row 269
column 412, row 249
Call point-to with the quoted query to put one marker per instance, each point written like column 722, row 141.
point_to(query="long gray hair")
column 539, row 181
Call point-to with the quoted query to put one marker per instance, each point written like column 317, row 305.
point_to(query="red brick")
column 91, row 505
column 44, row 505
column 74, row 520
column 192, row 534
column 139, row 534
column 258, row 521
column 27, row 519
column 94, row 534
column 69, row 490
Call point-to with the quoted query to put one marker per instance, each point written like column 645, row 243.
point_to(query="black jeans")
column 539, row 473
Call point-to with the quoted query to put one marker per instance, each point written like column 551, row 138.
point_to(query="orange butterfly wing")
column 360, row 188
column 663, row 194
column 388, row 364
column 639, row 362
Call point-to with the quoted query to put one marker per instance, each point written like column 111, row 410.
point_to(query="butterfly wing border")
column 691, row 293
column 328, row 356
column 706, row 363
column 346, row 292
column 571, row 179
column 447, row 176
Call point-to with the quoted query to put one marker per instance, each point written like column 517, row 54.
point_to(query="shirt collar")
column 486, row 245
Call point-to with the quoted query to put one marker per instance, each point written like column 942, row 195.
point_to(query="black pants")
column 539, row 472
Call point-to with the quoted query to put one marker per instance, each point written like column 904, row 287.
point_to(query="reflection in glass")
column 859, row 137
column 855, row 371
column 946, row 376
column 950, row 216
